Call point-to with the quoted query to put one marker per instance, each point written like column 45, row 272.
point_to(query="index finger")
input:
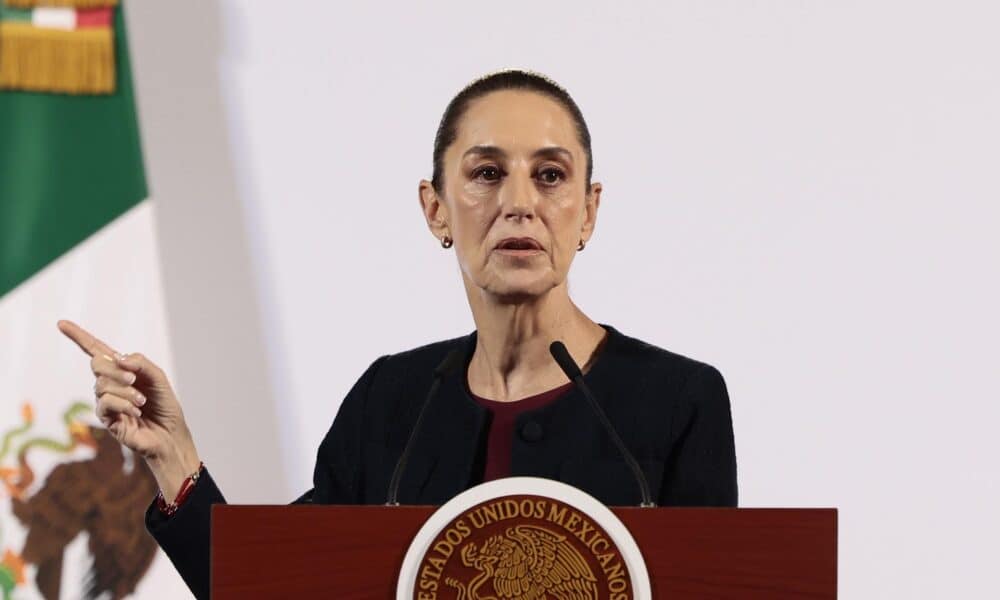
column 87, row 342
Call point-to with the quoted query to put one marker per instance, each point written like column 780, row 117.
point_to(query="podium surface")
column 357, row 551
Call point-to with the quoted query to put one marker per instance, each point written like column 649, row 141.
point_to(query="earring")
column 580, row 246
column 446, row 242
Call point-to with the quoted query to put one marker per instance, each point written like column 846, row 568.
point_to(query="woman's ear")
column 435, row 211
column 591, row 203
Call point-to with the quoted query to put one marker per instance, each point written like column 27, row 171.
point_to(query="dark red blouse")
column 500, row 441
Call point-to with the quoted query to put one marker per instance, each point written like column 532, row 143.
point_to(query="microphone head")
column 564, row 360
column 451, row 362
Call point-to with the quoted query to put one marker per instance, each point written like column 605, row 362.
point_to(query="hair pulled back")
column 494, row 82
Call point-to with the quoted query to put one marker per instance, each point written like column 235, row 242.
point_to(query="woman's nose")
column 518, row 198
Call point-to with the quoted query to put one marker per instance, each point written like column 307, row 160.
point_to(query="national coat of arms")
column 527, row 561
column 93, row 489
column 521, row 546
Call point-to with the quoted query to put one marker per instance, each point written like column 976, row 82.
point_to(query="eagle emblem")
column 98, row 496
column 527, row 562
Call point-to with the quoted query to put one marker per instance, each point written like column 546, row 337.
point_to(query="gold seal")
column 522, row 546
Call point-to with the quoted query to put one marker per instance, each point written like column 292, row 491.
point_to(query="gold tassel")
column 62, row 3
column 52, row 60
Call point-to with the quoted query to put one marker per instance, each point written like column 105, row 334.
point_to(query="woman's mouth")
column 519, row 247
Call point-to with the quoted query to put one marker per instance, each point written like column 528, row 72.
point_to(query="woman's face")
column 514, row 198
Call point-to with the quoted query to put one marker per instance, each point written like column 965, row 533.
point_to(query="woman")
column 511, row 194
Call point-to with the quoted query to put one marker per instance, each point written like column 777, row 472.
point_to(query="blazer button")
column 532, row 431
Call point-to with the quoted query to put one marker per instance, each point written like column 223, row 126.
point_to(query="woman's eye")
column 551, row 176
column 487, row 174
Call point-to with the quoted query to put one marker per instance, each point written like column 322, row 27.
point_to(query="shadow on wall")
column 218, row 343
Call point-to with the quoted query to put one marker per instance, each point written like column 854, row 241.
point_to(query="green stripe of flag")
column 68, row 166
column 14, row 14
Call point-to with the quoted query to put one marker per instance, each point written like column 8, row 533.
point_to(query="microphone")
column 452, row 361
column 572, row 370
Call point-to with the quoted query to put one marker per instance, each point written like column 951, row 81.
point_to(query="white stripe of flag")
column 54, row 18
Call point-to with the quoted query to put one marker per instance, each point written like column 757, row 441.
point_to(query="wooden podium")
column 304, row 551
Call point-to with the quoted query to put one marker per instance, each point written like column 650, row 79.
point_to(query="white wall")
column 803, row 193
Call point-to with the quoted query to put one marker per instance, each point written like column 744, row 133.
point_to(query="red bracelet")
column 186, row 488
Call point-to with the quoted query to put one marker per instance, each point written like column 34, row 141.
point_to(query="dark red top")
column 500, row 444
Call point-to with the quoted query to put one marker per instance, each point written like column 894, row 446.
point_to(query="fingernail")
column 136, row 412
column 140, row 399
column 130, row 378
column 120, row 356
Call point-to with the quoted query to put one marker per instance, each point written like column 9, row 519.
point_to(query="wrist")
column 172, row 467
column 187, row 487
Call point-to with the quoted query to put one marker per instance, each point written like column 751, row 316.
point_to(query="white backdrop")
column 802, row 193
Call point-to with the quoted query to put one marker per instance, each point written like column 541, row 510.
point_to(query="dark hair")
column 504, row 80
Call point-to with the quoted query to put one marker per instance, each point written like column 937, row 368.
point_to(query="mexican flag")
column 77, row 241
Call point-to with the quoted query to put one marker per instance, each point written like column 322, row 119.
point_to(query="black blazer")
column 671, row 411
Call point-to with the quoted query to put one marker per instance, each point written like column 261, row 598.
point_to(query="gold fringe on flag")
column 52, row 60
column 61, row 3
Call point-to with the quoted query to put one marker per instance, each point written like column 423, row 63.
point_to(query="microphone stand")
column 450, row 362
column 572, row 370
